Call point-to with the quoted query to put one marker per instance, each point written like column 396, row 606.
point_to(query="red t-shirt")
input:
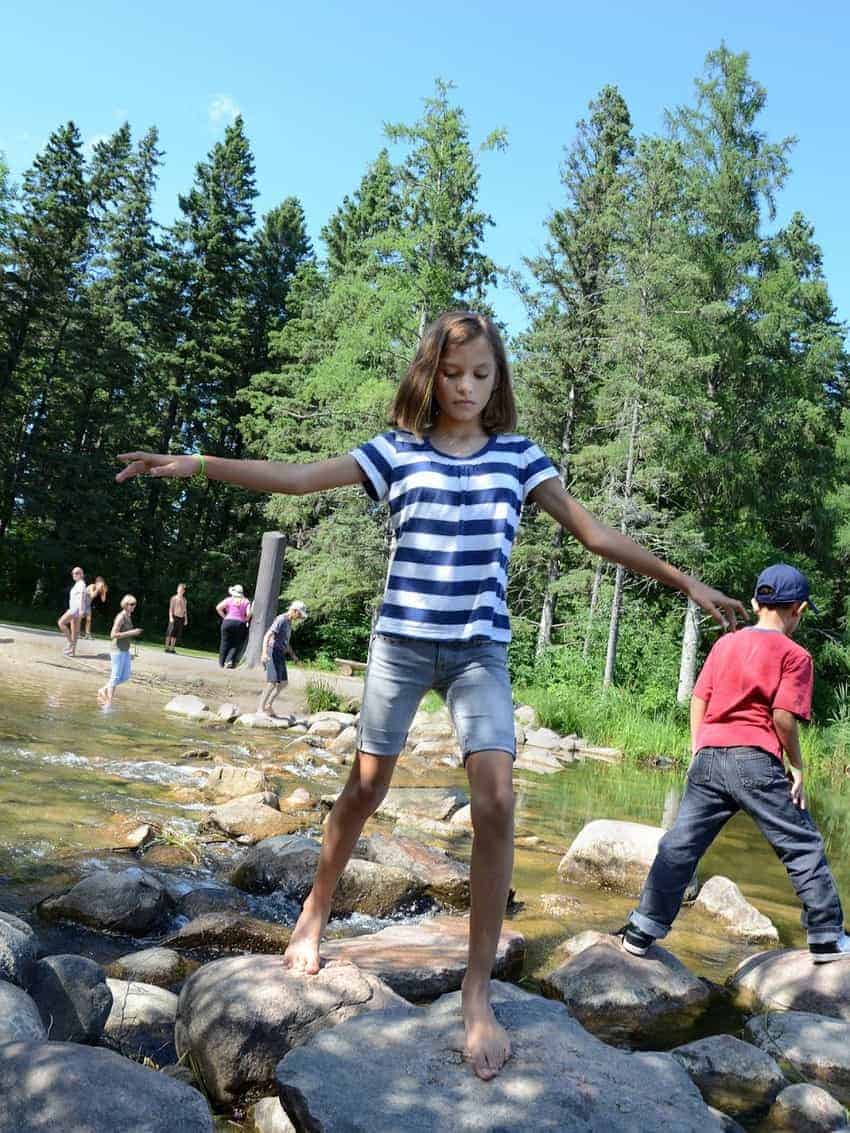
column 746, row 676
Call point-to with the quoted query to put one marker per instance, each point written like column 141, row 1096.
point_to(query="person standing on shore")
column 235, row 614
column 97, row 592
column 456, row 477
column 276, row 644
column 123, row 633
column 178, row 618
column 69, row 623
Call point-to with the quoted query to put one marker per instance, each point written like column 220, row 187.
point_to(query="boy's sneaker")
column 636, row 942
column 833, row 950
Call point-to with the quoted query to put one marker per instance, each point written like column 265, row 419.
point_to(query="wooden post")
column 266, row 594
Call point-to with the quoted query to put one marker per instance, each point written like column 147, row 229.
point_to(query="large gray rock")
column 811, row 1045
column 18, row 949
column 238, row 1017
column 252, row 818
column 20, row 1020
column 537, row 759
column 141, row 1022
column 787, row 980
column 376, row 891
column 612, row 854
column 432, row 830
column 444, row 878
column 211, row 899
column 65, row 1087
column 72, row 997
column 230, row 932
column 560, row 1078
column 424, row 960
column 269, row 1116
column 623, row 999
column 733, row 1076
column 428, row 802
column 722, row 898
column 131, row 901
column 803, row 1108
column 162, row 967
column 286, row 862
column 188, row 705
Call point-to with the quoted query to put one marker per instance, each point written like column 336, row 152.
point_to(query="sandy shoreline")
column 38, row 654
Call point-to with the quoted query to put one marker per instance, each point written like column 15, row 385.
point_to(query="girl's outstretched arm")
column 600, row 539
column 258, row 475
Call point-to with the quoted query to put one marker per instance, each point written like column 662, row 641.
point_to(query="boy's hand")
column 156, row 464
column 798, row 796
column 722, row 608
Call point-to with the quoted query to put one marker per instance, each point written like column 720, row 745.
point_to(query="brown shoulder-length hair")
column 415, row 406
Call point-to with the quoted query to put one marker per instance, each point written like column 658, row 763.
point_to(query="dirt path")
column 38, row 652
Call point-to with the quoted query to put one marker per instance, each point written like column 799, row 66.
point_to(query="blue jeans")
column 722, row 781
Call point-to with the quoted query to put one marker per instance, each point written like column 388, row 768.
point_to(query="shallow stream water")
column 66, row 768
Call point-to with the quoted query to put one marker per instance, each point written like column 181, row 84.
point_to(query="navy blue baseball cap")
column 780, row 584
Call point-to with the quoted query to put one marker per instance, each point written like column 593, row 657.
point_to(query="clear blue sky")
column 315, row 82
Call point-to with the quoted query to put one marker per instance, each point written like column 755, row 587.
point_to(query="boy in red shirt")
column 754, row 687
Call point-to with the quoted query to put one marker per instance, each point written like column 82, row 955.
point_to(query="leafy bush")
column 322, row 697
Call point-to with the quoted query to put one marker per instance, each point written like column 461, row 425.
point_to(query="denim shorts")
column 276, row 669
column 120, row 667
column 471, row 675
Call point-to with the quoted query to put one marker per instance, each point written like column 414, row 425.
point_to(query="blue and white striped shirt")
column 455, row 519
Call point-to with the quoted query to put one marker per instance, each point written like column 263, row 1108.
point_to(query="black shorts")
column 276, row 669
column 175, row 628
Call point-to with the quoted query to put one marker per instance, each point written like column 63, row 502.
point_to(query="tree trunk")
column 690, row 649
column 594, row 602
column 553, row 572
column 266, row 594
column 619, row 580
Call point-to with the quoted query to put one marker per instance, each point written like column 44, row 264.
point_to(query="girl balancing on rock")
column 455, row 476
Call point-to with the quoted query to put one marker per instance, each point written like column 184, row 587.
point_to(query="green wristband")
column 202, row 465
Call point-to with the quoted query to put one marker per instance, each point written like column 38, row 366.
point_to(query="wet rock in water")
column 423, row 960
column 543, row 738
column 722, row 898
column 787, row 980
column 236, row 1018
column 258, row 720
column 435, row 749
column 612, row 854
column 345, row 743
column 559, row 1077
column 287, row 862
column 209, row 899
column 810, row 1045
column 141, row 1022
column 300, row 799
column 188, row 705
column 230, row 932
column 83, row 1089
column 228, row 781
column 229, row 712
column 537, row 759
column 169, row 855
column 20, row 1020
column 462, row 817
column 196, row 753
column 325, row 728
column 18, row 949
column 122, row 830
column 376, row 891
column 623, row 999
column 803, row 1108
column 427, row 802
column 733, row 1076
column 445, row 879
column 344, row 719
column 161, row 967
column 72, row 995
column 269, row 1116
column 131, row 901
column 253, row 817
column 431, row 830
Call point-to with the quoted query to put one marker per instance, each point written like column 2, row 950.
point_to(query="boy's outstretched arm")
column 788, row 730
column 258, row 475
column 600, row 539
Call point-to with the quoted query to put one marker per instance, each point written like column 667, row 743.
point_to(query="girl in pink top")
column 235, row 614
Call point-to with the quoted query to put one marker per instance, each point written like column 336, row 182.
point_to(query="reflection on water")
column 65, row 768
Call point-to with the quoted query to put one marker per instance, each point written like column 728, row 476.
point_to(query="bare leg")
column 75, row 633
column 275, row 691
column 265, row 700
column 367, row 784
column 491, row 781
column 63, row 624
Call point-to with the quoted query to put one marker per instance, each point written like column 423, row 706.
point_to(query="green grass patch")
column 322, row 697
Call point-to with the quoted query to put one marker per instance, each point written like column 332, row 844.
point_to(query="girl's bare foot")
column 101, row 696
column 302, row 952
column 487, row 1044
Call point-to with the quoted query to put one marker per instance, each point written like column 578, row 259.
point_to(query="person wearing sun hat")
column 276, row 644
column 235, row 614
